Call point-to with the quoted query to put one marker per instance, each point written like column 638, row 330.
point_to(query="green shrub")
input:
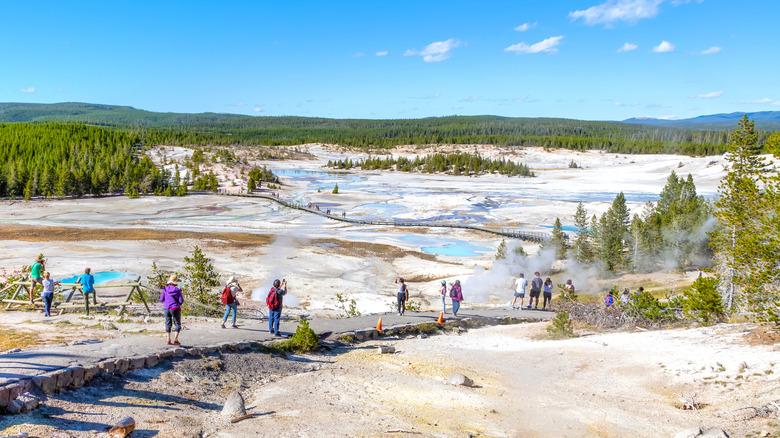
column 702, row 301
column 303, row 341
column 348, row 307
column 646, row 306
column 561, row 327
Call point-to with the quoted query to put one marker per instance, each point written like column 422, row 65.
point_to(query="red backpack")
column 272, row 300
column 227, row 297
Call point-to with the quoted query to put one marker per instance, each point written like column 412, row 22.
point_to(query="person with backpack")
column 172, row 299
column 401, row 295
column 230, row 301
column 536, row 289
column 274, row 302
column 443, row 293
column 456, row 293
column 609, row 301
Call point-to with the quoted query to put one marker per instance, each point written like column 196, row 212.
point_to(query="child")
column 609, row 301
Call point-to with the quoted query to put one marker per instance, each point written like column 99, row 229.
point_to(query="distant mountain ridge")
column 763, row 119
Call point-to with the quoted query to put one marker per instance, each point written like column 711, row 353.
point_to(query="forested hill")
column 503, row 131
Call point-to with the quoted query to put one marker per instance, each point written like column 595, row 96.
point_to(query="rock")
column 386, row 349
column 147, row 319
column 24, row 403
column 106, row 325
column 77, row 377
column 713, row 433
column 460, row 379
column 234, row 405
column 122, row 428
column 697, row 432
column 152, row 361
column 137, row 363
column 423, row 335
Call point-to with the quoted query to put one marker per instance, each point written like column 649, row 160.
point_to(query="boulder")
column 234, row 405
column 386, row 349
column 24, row 403
column 460, row 380
column 46, row 383
column 122, row 428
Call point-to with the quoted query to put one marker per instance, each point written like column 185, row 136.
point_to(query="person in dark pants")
column 401, row 295
column 48, row 292
column 274, row 302
column 172, row 300
column 548, row 288
column 536, row 289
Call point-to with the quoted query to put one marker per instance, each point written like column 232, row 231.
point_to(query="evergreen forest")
column 456, row 164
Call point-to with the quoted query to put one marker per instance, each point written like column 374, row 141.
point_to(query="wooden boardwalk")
column 531, row 236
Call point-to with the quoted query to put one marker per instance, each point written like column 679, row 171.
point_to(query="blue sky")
column 588, row 59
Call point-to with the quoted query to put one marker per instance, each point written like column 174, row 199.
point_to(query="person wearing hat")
column 87, row 282
column 275, row 312
column 232, row 302
column 443, row 293
column 36, row 276
column 172, row 299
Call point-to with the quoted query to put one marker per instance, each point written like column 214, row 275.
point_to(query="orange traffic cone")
column 379, row 325
column 441, row 318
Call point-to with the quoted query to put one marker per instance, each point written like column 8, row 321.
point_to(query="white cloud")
column 669, row 117
column 710, row 95
column 763, row 101
column 520, row 99
column 469, row 98
column 258, row 110
column 548, row 46
column 28, row 90
column 358, row 54
column 435, row 52
column 629, row 11
column 524, row 27
column 382, row 53
column 711, row 51
column 627, row 47
column 664, row 47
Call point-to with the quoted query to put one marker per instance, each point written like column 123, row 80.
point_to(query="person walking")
column 536, row 289
column 548, row 288
column 36, row 276
column 443, row 293
column 87, row 282
column 520, row 285
column 48, row 293
column 274, row 302
column 625, row 297
column 609, row 301
column 456, row 293
column 172, row 300
column 401, row 295
column 230, row 300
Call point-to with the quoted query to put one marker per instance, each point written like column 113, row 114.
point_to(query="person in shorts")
column 520, row 285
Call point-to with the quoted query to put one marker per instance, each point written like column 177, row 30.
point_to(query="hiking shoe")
column 536, row 308
column 278, row 334
column 235, row 326
column 176, row 343
column 170, row 343
column 529, row 306
column 223, row 326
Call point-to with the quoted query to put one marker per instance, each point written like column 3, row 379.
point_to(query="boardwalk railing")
column 504, row 232
column 72, row 289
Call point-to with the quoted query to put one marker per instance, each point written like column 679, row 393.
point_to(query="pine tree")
column 583, row 249
column 558, row 240
column 200, row 277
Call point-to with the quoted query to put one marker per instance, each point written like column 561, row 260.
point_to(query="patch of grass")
column 13, row 338
column 347, row 339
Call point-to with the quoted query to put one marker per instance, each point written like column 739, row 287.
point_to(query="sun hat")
column 39, row 259
column 231, row 280
column 444, row 282
column 173, row 279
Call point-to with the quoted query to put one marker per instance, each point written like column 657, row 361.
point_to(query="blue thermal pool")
column 103, row 277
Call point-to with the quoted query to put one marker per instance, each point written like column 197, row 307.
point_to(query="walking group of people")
column 538, row 287
column 40, row 276
column 624, row 299
column 455, row 294
column 172, row 298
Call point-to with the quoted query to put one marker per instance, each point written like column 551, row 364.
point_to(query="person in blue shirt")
column 87, row 282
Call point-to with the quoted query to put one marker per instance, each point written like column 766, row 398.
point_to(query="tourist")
column 520, row 285
column 172, row 299
column 536, row 289
column 443, row 292
column 625, row 297
column 568, row 289
column 457, row 296
column 48, row 293
column 36, row 276
column 232, row 302
column 401, row 295
column 87, row 282
column 609, row 301
column 274, row 302
column 548, row 288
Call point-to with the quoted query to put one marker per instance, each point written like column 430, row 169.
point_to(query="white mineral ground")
column 608, row 385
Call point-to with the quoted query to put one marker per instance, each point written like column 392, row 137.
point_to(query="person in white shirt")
column 520, row 285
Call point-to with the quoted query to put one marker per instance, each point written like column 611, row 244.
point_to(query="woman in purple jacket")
column 457, row 296
column 172, row 300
